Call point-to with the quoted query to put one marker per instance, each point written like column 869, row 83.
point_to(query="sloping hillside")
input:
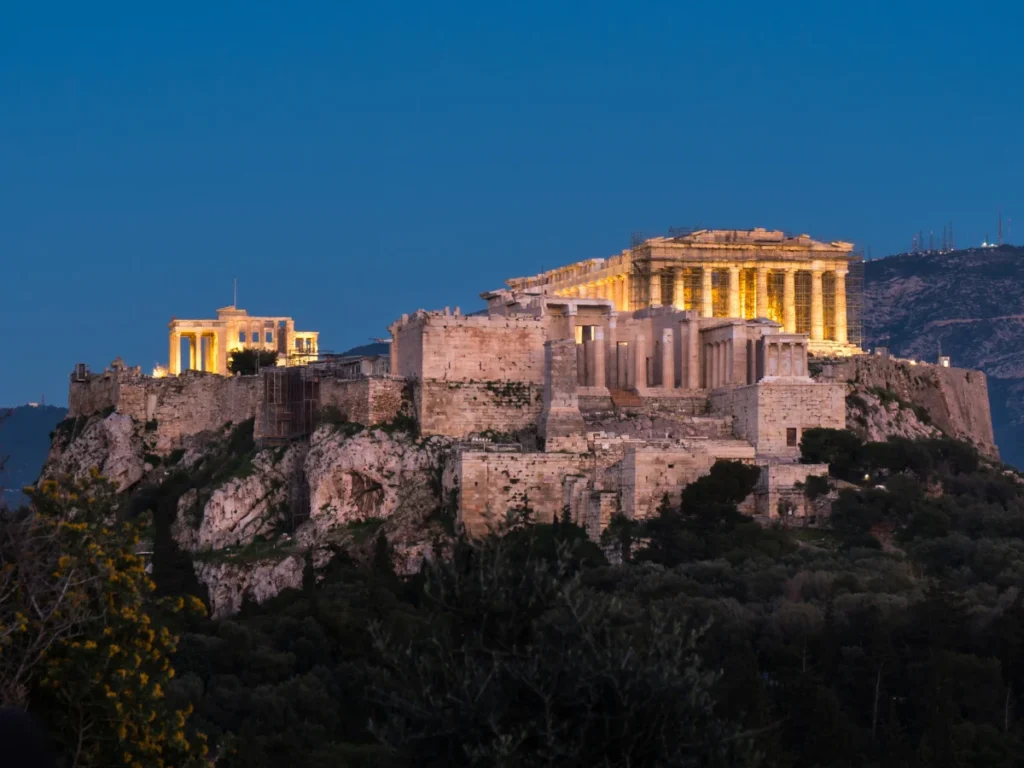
column 24, row 442
column 969, row 304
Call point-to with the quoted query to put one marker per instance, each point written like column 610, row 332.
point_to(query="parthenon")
column 757, row 273
column 212, row 341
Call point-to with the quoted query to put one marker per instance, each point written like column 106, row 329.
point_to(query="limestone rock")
column 111, row 444
column 372, row 475
column 877, row 421
column 240, row 509
column 231, row 583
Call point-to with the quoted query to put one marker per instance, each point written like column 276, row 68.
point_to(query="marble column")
column 789, row 302
column 599, row 358
column 730, row 363
column 655, row 289
column 174, row 361
column 193, row 352
column 640, row 363
column 840, row 302
column 762, row 293
column 626, row 301
column 817, row 307
column 693, row 353
column 668, row 362
column 734, row 292
column 680, row 297
column 708, row 308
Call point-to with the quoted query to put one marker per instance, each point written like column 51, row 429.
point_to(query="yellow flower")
column 90, row 645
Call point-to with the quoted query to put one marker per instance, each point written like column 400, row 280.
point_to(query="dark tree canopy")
column 248, row 362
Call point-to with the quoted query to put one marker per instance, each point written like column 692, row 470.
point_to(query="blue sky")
column 350, row 162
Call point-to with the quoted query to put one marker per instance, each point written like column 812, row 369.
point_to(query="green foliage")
column 248, row 362
column 817, row 486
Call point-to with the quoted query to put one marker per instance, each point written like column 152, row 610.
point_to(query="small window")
column 270, row 338
column 241, row 336
column 791, row 436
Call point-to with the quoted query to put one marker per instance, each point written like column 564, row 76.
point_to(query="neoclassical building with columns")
column 210, row 342
column 796, row 281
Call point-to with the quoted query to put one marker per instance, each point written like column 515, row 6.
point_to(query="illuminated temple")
column 722, row 273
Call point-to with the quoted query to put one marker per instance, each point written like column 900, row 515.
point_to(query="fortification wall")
column 95, row 395
column 477, row 348
column 779, row 483
column 764, row 413
column 171, row 407
column 956, row 398
column 459, row 408
column 649, row 473
column 490, row 484
column 365, row 401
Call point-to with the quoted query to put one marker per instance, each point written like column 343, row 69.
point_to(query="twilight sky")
column 353, row 161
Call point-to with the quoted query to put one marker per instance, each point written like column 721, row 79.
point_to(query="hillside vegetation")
column 895, row 637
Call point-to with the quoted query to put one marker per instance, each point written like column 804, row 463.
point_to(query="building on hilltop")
column 796, row 281
column 212, row 341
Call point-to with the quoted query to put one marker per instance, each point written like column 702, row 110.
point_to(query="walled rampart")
column 651, row 472
column 368, row 401
column 459, row 408
column 772, row 416
column 491, row 484
column 783, row 483
column 956, row 398
column 476, row 348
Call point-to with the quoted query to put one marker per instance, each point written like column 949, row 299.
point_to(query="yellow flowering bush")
column 97, row 661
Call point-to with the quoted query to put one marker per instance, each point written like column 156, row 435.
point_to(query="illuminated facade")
column 722, row 273
column 211, row 342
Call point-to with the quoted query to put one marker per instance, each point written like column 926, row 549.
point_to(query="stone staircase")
column 624, row 399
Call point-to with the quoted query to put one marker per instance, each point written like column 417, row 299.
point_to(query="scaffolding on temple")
column 291, row 403
column 855, row 300
column 802, row 301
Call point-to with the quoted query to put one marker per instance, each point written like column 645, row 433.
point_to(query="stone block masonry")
column 366, row 401
column 478, row 348
column 772, row 416
column 782, row 483
column 460, row 408
column 491, row 484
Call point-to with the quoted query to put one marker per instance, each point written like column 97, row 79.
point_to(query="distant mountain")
column 969, row 304
column 25, row 442
column 377, row 348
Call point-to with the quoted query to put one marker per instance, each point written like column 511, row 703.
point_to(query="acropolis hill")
column 590, row 390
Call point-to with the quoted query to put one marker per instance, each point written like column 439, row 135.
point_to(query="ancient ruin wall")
column 365, row 401
column 956, row 398
column 459, row 408
column 762, row 413
column 490, row 484
column 477, row 348
column 172, row 407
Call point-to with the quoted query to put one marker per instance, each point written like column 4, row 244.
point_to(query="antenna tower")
column 931, row 240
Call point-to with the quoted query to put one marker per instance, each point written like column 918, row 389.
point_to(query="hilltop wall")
column 956, row 398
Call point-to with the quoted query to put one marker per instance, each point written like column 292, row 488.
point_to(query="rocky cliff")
column 968, row 304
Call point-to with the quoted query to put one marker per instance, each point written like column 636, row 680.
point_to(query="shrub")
column 248, row 362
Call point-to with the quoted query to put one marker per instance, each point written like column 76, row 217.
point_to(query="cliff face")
column 894, row 398
column 969, row 304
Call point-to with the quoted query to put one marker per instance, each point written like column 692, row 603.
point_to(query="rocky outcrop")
column 230, row 584
column 247, row 545
column 242, row 508
column 110, row 444
column 895, row 397
column 965, row 304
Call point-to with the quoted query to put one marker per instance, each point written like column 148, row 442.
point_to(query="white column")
column 734, row 292
column 655, row 289
column 762, row 293
column 668, row 365
column 693, row 354
column 174, row 361
column 708, row 308
column 599, row 352
column 840, row 302
column 640, row 363
column 789, row 302
column 817, row 307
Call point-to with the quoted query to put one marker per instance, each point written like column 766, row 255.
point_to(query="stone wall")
column 365, row 401
column 477, row 348
column 172, row 407
column 94, row 395
column 648, row 473
column 778, row 482
column 956, row 398
column 764, row 413
column 459, row 408
column 490, row 484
